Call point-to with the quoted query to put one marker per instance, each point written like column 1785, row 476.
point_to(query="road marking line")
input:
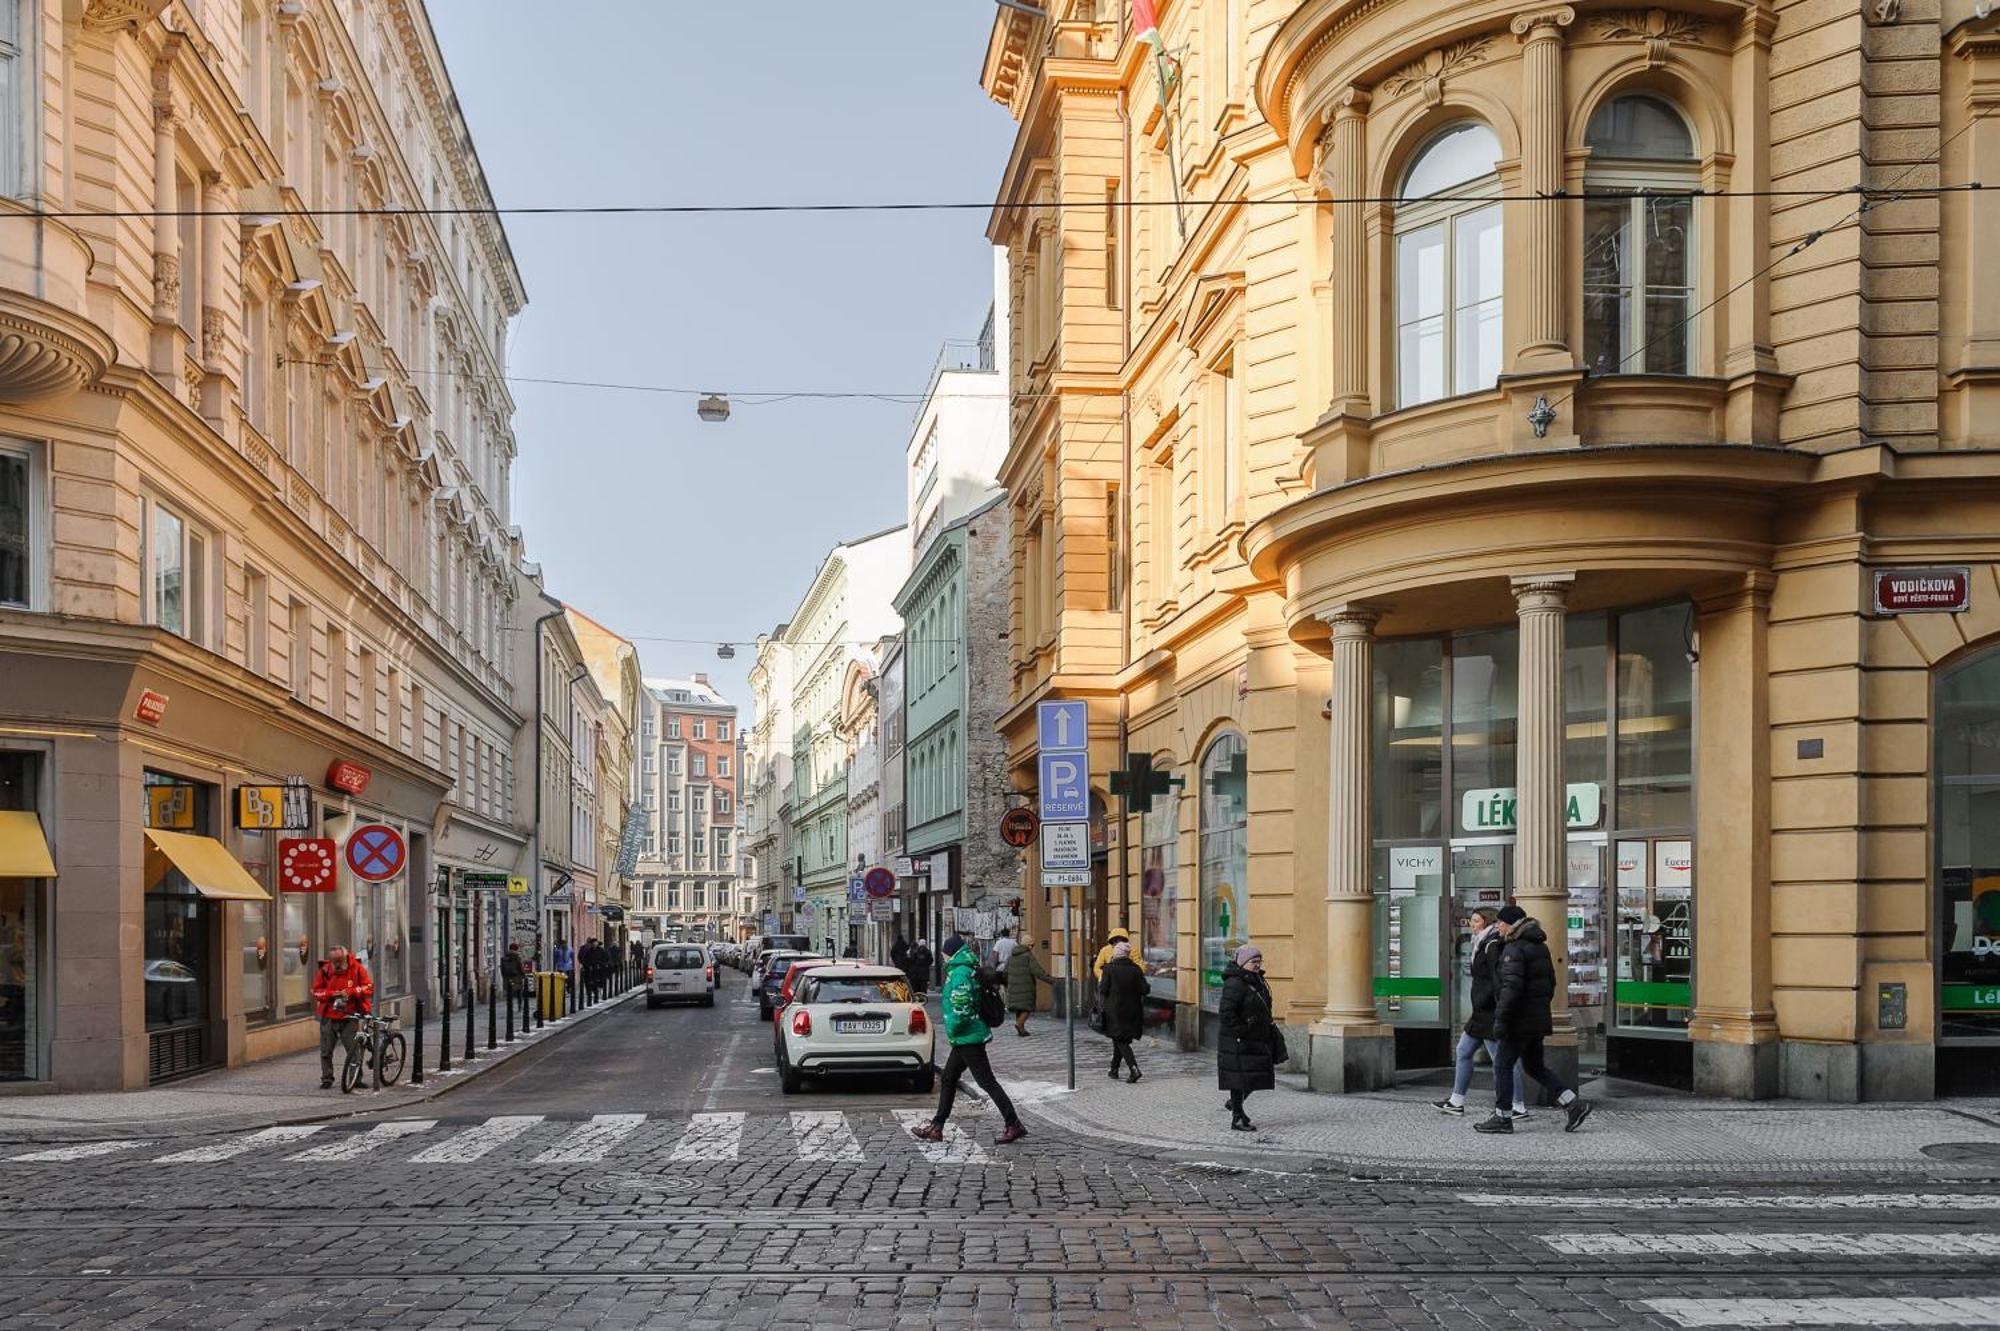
column 81, row 1151
column 710, row 1137
column 1830, row 1312
column 823, row 1134
column 232, row 1147
column 361, row 1143
column 956, row 1149
column 1854, row 1201
column 593, row 1140
column 1753, row 1245
column 474, row 1143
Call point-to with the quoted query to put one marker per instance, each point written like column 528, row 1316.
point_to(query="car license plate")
column 860, row 1026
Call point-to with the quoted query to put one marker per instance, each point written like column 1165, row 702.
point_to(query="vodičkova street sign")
column 1494, row 810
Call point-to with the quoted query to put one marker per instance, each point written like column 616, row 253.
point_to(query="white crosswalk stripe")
column 1649, row 1202
column 231, row 1147
column 474, row 1143
column 710, row 1137
column 1974, row 1311
column 823, row 1134
column 592, row 1140
column 956, row 1149
column 361, row 1143
column 81, row 1151
column 1757, row 1245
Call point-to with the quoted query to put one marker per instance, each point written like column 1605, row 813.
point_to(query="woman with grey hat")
column 1246, row 1057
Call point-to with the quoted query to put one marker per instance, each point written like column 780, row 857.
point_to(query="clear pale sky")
column 642, row 516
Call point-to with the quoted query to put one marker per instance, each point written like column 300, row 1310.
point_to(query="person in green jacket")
column 1022, row 970
column 967, row 1033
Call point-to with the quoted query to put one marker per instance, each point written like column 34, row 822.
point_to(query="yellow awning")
column 208, row 865
column 24, row 851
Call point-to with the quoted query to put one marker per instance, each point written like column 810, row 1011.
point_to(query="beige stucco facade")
column 1297, row 407
column 257, row 460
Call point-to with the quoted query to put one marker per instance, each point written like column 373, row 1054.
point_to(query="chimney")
column 702, row 680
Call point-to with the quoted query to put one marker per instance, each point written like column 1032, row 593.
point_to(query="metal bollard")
column 541, row 1001
column 492, row 1009
column 471, row 1023
column 444, row 1031
column 510, row 1016
column 417, row 1048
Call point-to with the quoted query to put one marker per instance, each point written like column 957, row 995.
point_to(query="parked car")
column 797, row 971
column 765, row 944
column 680, row 972
column 772, row 978
column 854, row 1019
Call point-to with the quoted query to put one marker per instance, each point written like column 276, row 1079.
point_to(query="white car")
column 853, row 1019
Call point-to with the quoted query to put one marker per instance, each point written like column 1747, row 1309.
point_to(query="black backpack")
column 992, row 998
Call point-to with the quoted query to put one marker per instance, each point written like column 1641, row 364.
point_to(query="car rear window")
column 678, row 959
column 785, row 943
column 836, row 989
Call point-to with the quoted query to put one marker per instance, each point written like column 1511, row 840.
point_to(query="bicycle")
column 378, row 1043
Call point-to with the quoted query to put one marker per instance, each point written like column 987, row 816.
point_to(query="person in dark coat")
column 1483, row 968
column 899, row 954
column 1022, row 969
column 1121, row 994
column 1245, row 1057
column 919, row 967
column 1526, row 985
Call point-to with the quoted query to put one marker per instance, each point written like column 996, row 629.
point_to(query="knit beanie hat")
column 1121, row 948
column 1248, row 953
column 1512, row 914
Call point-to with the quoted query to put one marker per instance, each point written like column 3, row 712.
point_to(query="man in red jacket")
column 342, row 994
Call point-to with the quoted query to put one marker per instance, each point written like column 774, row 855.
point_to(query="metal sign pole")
column 1069, row 1008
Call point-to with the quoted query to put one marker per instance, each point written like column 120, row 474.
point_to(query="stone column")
column 1544, row 283
column 1346, row 178
column 214, row 241
column 1541, row 850
column 166, row 250
column 1352, row 1050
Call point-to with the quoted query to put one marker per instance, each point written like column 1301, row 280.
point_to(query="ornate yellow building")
column 1492, row 452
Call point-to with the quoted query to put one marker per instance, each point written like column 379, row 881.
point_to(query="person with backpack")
column 1521, row 1020
column 1122, row 994
column 973, row 1005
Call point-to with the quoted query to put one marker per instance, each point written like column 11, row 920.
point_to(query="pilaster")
column 1541, row 858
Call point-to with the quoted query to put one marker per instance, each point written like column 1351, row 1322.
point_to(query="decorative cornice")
column 131, row 15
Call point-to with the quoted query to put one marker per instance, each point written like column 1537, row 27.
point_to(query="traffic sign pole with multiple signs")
column 1062, row 741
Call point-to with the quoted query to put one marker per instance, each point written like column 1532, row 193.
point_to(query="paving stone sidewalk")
column 1635, row 1129
column 284, row 1089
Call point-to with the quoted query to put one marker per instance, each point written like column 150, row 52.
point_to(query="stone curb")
column 434, row 1087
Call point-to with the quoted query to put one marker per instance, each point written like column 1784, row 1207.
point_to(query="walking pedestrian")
column 919, row 967
column 1521, row 1020
column 1003, row 948
column 514, row 972
column 1111, row 942
column 1122, row 993
column 1484, row 969
column 343, row 993
column 967, row 1030
column 1246, row 1057
column 1022, row 970
column 899, row 955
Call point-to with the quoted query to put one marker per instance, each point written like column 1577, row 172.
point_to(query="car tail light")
column 802, row 1022
column 919, row 1023
column 649, row 972
column 708, row 973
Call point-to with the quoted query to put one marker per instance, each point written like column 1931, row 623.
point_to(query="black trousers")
column 1527, row 1053
column 972, row 1058
column 1121, row 1055
column 1236, row 1099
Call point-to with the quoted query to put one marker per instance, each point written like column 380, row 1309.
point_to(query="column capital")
column 1542, row 23
column 1352, row 620
column 1541, row 591
column 1350, row 103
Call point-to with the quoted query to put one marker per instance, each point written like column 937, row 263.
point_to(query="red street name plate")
column 350, row 777
column 152, row 708
column 1907, row 591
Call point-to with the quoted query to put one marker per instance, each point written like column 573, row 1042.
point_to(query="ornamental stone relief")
column 1659, row 29
column 1429, row 72
column 110, row 15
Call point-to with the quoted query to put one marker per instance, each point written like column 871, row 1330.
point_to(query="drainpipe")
column 1124, row 519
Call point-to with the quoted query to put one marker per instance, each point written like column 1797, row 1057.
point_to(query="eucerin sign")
column 1915, row 591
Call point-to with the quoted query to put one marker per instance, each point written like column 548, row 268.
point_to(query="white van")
column 680, row 972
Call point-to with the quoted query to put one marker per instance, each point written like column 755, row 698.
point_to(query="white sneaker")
column 1521, row 1112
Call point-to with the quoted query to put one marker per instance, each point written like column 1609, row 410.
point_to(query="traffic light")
column 1139, row 783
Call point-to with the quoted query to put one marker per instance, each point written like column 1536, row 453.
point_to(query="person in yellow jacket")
column 1104, row 953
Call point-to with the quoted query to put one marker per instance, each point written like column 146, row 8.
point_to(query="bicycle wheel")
column 394, row 1047
column 352, row 1070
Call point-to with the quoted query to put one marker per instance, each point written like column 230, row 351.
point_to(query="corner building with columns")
column 1491, row 452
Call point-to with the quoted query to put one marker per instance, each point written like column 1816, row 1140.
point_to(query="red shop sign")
column 152, row 708
column 305, row 864
column 350, row 777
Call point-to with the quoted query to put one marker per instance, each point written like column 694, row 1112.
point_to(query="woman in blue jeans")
column 1486, row 945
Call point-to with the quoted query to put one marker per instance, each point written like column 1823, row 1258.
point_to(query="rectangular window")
column 673, row 801
column 1115, row 565
column 673, row 845
column 1231, row 489
column 673, row 727
column 700, row 728
column 722, row 767
column 699, row 798
column 256, row 363
column 1113, row 220
column 721, row 844
column 722, row 730
column 673, row 764
column 301, row 650
column 175, row 574
column 701, row 764
column 256, row 621
column 722, row 801
column 20, row 523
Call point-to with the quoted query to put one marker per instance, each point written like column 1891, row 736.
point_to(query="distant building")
column 689, row 862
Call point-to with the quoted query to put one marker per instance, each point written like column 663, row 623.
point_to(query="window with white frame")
column 673, row 845
column 20, row 527
column 175, row 573
column 1449, row 267
column 674, row 801
column 674, row 763
column 1638, row 253
column 722, row 730
column 673, row 727
column 722, row 766
column 722, row 801
column 700, row 799
column 701, row 764
column 700, row 728
column 721, row 845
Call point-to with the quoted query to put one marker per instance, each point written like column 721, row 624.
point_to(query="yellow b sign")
column 170, row 808
column 260, row 807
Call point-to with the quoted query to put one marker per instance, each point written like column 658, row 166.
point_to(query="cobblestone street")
column 643, row 1169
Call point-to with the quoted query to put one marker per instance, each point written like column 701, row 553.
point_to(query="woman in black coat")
column 1246, row 1058
column 1121, row 995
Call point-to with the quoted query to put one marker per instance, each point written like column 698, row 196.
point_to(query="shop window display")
column 1160, row 837
column 20, row 936
column 1967, row 730
column 1225, row 861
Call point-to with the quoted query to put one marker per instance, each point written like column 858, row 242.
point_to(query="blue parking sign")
column 1062, row 727
column 1065, row 782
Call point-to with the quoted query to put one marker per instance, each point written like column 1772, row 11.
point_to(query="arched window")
column 1448, row 267
column 1638, row 252
column 1225, row 860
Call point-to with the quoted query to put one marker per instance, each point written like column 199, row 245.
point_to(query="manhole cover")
column 618, row 1184
column 1986, row 1154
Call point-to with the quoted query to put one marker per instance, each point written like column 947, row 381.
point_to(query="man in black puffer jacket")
column 1521, row 1020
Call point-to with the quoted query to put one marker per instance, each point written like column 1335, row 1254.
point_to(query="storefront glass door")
column 1968, row 851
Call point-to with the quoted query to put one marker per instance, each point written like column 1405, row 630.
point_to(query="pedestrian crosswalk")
column 825, row 1137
